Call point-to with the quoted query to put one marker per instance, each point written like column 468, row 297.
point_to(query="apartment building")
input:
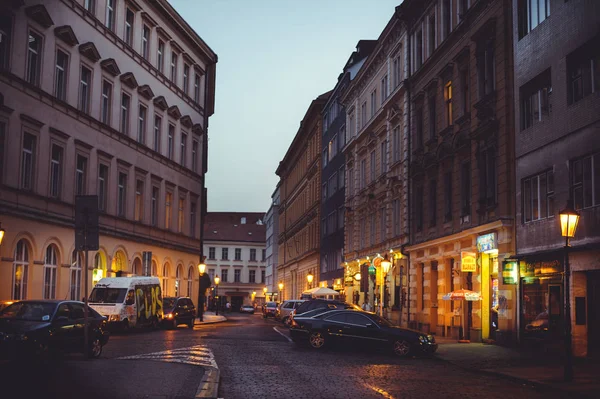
column 557, row 103
column 376, row 102
column 272, row 245
column 108, row 98
column 235, row 245
column 461, row 167
column 299, row 210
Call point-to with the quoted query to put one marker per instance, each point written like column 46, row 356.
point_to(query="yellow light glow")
column 280, row 286
column 309, row 277
column 568, row 224
column 201, row 268
column 265, row 290
column 1, row 235
column 217, row 280
column 357, row 276
column 385, row 265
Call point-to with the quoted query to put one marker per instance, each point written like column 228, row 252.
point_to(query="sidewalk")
column 523, row 366
column 210, row 318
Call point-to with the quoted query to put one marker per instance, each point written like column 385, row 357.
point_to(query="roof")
column 231, row 226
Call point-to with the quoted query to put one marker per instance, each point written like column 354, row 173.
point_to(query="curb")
column 199, row 323
column 209, row 385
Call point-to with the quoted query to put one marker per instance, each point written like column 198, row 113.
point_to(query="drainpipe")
column 409, row 185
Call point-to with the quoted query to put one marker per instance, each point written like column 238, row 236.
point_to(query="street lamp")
column 385, row 268
column 280, row 289
column 217, row 281
column 201, row 290
column 569, row 218
column 309, row 278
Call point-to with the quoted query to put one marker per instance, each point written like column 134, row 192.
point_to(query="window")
column 538, row 196
column 224, row 253
column 110, row 14
column 396, row 142
column 341, row 178
column 145, row 41
column 252, row 276
column 125, row 104
column 160, row 60
column 238, row 254
column 418, row 201
column 373, row 102
column 324, row 191
column 105, row 106
column 183, row 148
column 419, row 49
column 448, row 99
column 129, row 16
column 487, row 177
column 139, row 201
column 34, row 58
column 352, row 125
column 432, row 203
column 447, row 17
column 56, row 165
column 174, row 67
column 419, row 127
column 80, row 175
column 170, row 139
column 363, row 174
column 341, row 139
column 363, row 114
column 122, row 194
column 325, row 157
column 20, row 271
column 583, row 71
column 262, row 276
column 332, row 147
column 351, row 181
column 180, row 210
column 340, row 215
column 383, row 155
column 372, row 228
column 85, row 85
column 195, row 156
column 332, row 185
column 448, row 196
column 397, row 66
column 586, row 181
column 211, row 253
column 90, row 6
column 197, row 87
column 264, row 255
column 531, row 14
column 384, row 89
column 75, row 283
column 431, row 34
column 535, row 100
column 50, row 267
column 28, row 161
column 382, row 225
column 186, row 78
column 5, row 39
column 363, row 232
column 168, row 210
column 141, row 134
column 157, row 132
column 464, row 79
column 432, row 117
column 396, row 217
column 486, row 69
column 60, row 78
column 224, row 275
column 102, row 185
column 154, row 205
column 193, row 220
column 463, row 7
column 373, row 166
column 253, row 254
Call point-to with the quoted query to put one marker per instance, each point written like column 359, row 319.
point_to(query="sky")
column 275, row 57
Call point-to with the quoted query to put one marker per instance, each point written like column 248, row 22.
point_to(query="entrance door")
column 593, row 304
column 237, row 302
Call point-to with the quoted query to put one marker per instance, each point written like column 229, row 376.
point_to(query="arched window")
column 137, row 267
column 190, row 280
column 154, row 268
column 75, row 285
column 178, row 277
column 20, row 270
column 119, row 262
column 99, row 267
column 50, row 268
column 165, row 287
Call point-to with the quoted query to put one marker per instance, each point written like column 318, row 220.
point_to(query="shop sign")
column 487, row 242
column 509, row 272
column 532, row 269
column 468, row 261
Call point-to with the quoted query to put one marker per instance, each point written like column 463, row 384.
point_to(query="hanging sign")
column 487, row 242
column 509, row 272
column 468, row 261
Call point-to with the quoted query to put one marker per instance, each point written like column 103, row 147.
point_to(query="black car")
column 355, row 329
column 179, row 310
column 322, row 303
column 40, row 327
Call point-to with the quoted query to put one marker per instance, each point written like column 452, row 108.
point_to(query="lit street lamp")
column 217, row 281
column 385, row 268
column 569, row 218
column 280, row 289
column 309, row 278
column 202, row 286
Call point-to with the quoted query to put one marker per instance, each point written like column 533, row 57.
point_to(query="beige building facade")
column 108, row 98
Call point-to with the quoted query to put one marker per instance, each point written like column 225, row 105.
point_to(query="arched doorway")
column 165, row 280
column 178, row 277
column 119, row 263
column 50, row 270
column 154, row 269
column 137, row 267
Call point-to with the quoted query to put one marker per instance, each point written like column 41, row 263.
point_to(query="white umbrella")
column 320, row 291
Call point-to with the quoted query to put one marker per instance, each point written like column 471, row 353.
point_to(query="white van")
column 128, row 301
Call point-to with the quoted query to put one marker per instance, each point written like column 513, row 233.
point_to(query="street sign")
column 86, row 223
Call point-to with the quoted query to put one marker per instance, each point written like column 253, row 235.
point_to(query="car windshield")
column 168, row 303
column 313, row 312
column 108, row 295
column 30, row 311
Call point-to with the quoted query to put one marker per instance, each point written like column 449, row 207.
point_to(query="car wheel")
column 316, row 339
column 95, row 349
column 401, row 347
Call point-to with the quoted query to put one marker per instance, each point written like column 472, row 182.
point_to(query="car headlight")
column 113, row 317
column 169, row 315
column 430, row 338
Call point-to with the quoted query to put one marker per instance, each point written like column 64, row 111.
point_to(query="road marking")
column 282, row 334
column 380, row 391
column 198, row 355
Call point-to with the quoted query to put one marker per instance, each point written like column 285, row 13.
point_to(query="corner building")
column 461, row 168
column 108, row 98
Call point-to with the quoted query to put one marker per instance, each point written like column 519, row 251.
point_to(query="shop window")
column 538, row 196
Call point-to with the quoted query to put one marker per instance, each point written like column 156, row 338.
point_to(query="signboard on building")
column 468, row 261
column 487, row 242
column 509, row 272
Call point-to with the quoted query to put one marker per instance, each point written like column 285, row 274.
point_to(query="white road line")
column 282, row 334
column 198, row 355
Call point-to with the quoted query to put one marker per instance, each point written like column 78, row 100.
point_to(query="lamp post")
column 385, row 267
column 309, row 278
column 217, row 281
column 569, row 218
column 201, row 290
column 280, row 290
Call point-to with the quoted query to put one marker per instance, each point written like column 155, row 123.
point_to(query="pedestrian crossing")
column 198, row 355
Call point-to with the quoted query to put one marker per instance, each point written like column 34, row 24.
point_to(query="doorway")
column 593, row 303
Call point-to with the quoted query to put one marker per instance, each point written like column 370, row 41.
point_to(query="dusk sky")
column 275, row 57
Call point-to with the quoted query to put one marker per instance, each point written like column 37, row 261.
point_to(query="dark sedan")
column 40, row 327
column 359, row 329
column 179, row 310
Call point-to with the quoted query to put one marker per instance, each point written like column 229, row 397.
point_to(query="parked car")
column 269, row 309
column 285, row 308
column 356, row 328
column 5, row 303
column 178, row 310
column 322, row 303
column 247, row 309
column 41, row 327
